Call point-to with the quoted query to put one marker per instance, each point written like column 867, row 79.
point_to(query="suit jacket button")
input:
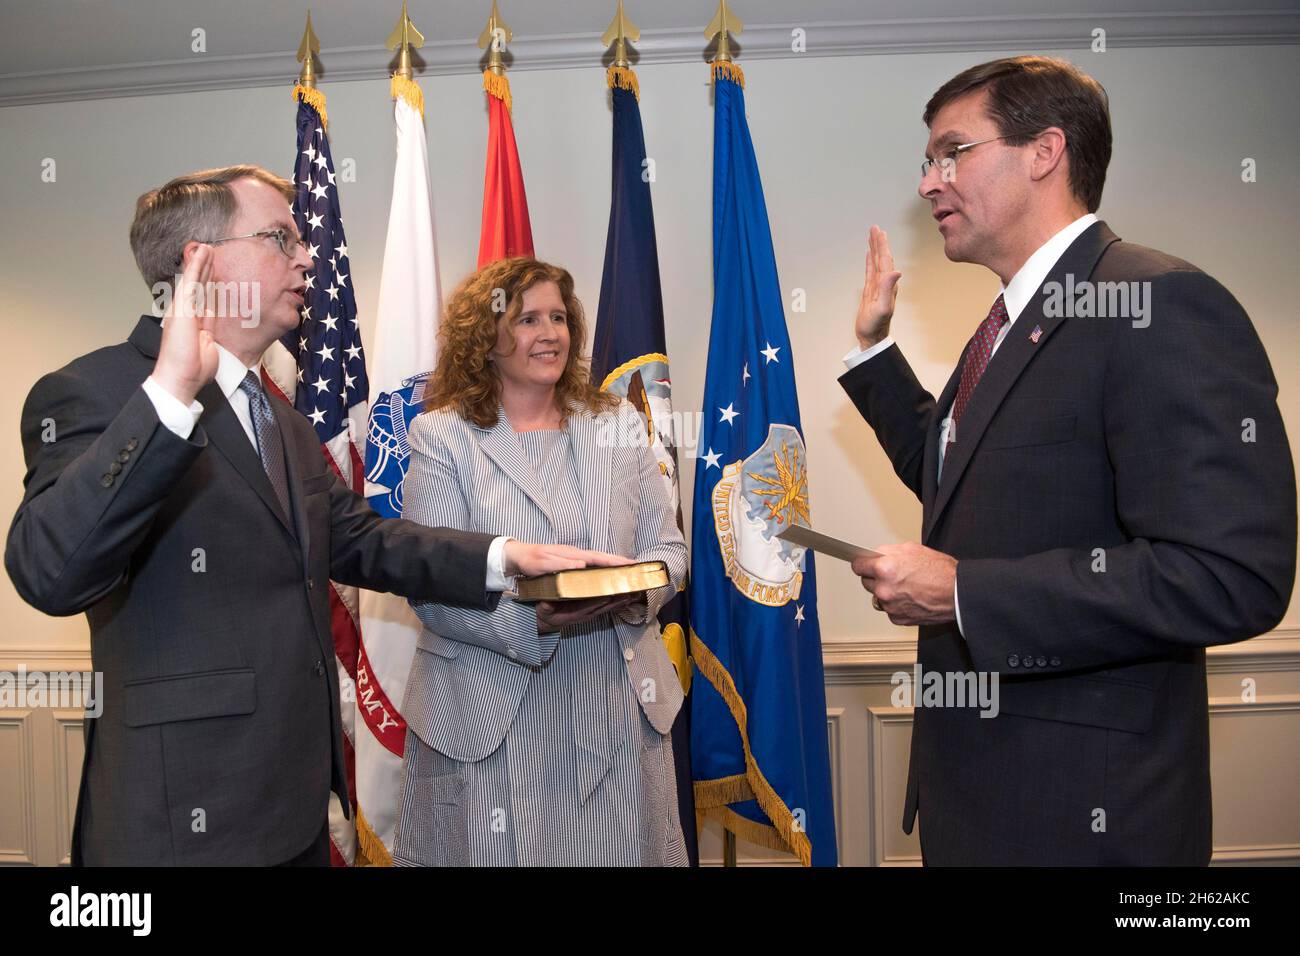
column 1041, row 662
column 1013, row 660
column 133, row 444
column 106, row 481
column 311, row 583
column 115, row 468
column 320, row 668
column 1027, row 661
column 124, row 456
column 1056, row 662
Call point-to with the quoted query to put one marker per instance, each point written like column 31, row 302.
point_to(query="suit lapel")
column 930, row 467
column 293, row 473
column 228, row 435
column 501, row 444
column 1011, row 359
column 147, row 335
column 595, row 460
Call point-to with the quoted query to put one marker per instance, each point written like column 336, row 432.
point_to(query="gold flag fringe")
column 752, row 785
column 745, row 828
column 370, row 849
column 409, row 90
column 674, row 639
column 728, row 70
column 497, row 86
column 313, row 98
column 623, row 77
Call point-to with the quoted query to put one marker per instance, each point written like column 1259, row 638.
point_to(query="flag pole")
column 404, row 353
column 619, row 32
column 505, row 230
column 403, row 39
column 629, row 356
column 494, row 38
column 339, row 403
column 620, row 72
column 307, row 51
column 725, row 22
column 305, row 89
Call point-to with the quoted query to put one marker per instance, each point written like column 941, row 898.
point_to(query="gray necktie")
column 270, row 447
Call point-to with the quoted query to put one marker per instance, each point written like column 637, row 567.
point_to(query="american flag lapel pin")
column 1037, row 334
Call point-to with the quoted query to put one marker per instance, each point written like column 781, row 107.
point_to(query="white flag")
column 402, row 356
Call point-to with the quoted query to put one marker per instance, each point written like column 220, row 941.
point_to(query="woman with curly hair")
column 538, row 734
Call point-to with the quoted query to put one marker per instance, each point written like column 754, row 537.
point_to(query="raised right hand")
column 879, row 291
column 530, row 560
column 187, row 358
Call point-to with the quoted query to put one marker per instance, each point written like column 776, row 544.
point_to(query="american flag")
column 321, row 370
column 331, row 365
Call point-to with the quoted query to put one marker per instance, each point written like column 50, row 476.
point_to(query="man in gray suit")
column 194, row 519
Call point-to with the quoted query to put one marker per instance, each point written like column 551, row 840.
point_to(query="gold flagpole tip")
column 724, row 22
column 494, row 38
column 620, row 31
column 307, row 51
column 403, row 39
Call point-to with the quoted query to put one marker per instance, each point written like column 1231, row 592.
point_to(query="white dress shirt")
column 181, row 419
column 1015, row 296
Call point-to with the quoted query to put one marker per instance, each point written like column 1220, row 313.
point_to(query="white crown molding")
column 957, row 34
column 37, row 659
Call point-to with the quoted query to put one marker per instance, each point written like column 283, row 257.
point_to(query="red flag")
column 506, row 231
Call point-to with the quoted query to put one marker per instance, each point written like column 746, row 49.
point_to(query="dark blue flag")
column 758, row 742
column 630, row 358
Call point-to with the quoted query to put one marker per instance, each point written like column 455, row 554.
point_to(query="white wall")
column 838, row 140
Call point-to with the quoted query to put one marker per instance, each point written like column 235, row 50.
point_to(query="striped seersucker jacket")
column 472, row 667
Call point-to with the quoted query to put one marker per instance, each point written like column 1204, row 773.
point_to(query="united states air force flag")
column 758, row 741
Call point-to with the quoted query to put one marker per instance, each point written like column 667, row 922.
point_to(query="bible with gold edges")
column 588, row 583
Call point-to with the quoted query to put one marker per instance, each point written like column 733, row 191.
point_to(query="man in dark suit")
column 1107, row 490
column 195, row 521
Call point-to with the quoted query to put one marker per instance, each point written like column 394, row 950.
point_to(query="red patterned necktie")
column 978, row 353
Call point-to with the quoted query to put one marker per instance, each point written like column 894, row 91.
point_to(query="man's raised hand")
column 187, row 358
column 879, row 291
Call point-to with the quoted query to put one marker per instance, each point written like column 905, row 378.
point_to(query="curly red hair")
column 466, row 381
